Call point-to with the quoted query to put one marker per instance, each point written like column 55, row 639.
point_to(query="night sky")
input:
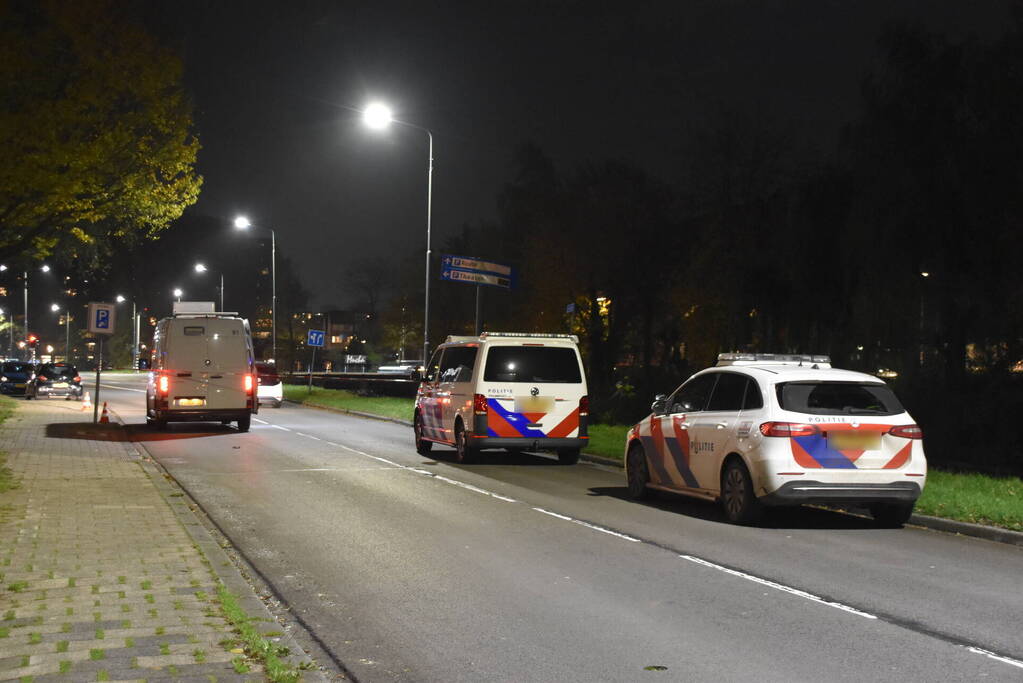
column 273, row 84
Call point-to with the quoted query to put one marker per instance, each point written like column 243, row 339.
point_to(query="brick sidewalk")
column 99, row 579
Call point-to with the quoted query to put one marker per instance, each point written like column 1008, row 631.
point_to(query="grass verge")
column 387, row 406
column 7, row 481
column 976, row 498
column 256, row 646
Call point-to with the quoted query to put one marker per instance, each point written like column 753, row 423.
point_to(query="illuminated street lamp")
column 242, row 223
column 378, row 117
column 178, row 293
column 134, row 332
column 67, row 331
column 201, row 268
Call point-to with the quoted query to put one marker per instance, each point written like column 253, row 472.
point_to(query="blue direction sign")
column 475, row 271
column 315, row 338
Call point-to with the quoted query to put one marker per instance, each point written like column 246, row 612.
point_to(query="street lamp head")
column 200, row 268
column 45, row 268
column 54, row 307
column 177, row 291
column 377, row 116
column 120, row 298
column 242, row 222
column 3, row 267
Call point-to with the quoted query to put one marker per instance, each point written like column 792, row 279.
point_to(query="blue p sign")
column 102, row 319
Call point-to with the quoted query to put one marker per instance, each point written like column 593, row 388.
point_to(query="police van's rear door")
column 533, row 389
column 186, row 349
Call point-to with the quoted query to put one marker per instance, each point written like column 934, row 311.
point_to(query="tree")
column 95, row 127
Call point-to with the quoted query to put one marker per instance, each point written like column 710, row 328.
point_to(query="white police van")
column 504, row 390
column 773, row 429
column 202, row 368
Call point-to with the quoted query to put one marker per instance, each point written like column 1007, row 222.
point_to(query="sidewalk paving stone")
column 99, row 578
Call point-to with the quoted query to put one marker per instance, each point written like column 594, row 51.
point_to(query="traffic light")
column 33, row 341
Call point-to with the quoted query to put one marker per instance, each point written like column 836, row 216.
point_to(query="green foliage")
column 387, row 406
column 95, row 128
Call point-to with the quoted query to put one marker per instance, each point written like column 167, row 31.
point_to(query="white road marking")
column 1001, row 658
column 589, row 526
column 470, row 487
column 262, row 422
column 119, row 387
column 779, row 586
column 283, row 429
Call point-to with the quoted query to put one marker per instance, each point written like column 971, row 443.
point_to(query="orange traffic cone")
column 86, row 402
column 103, row 418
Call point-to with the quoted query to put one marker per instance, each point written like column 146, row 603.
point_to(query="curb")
column 988, row 533
column 198, row 526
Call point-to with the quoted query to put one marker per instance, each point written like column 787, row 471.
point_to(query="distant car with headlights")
column 762, row 430
column 54, row 380
column 14, row 376
column 203, row 368
column 270, row 390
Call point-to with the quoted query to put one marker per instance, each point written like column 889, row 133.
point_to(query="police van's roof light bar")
column 774, row 359
column 520, row 335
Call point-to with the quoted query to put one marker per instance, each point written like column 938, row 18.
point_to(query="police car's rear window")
column 534, row 364
column 838, row 398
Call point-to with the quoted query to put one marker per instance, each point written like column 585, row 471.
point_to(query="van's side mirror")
column 659, row 405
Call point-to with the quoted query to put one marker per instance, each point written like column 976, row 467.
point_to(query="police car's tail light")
column 584, row 405
column 78, row 378
column 907, row 431
column 164, row 384
column 248, row 384
column 479, row 404
column 787, row 429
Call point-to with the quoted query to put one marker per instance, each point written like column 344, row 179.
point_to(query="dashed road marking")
column 580, row 522
column 1001, row 658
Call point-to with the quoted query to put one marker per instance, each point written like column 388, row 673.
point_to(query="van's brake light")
column 479, row 404
column 584, row 405
column 164, row 384
column 248, row 384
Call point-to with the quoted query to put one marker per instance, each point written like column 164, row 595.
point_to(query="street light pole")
column 378, row 116
column 243, row 223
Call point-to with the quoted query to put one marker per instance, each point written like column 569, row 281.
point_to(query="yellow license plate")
column 190, row 402
column 534, row 404
column 62, row 385
column 854, row 441
column 19, row 386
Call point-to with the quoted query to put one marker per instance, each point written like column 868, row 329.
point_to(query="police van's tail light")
column 907, row 431
column 78, row 378
column 164, row 384
column 479, row 404
column 787, row 429
column 248, row 384
column 584, row 405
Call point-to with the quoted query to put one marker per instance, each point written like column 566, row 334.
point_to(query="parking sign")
column 101, row 318
column 315, row 338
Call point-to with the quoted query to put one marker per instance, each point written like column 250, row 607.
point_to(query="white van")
column 202, row 368
column 510, row 390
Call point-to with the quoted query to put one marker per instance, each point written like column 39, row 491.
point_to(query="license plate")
column 534, row 404
column 190, row 402
column 854, row 441
column 19, row 386
column 61, row 385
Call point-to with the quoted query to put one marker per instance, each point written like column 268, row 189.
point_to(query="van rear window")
column 195, row 330
column 838, row 398
column 534, row 364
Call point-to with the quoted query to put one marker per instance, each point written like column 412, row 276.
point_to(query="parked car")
column 270, row 389
column 512, row 390
column 55, row 379
column 770, row 429
column 407, row 369
column 14, row 376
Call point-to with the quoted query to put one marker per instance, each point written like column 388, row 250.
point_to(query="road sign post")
column 101, row 323
column 314, row 340
column 477, row 272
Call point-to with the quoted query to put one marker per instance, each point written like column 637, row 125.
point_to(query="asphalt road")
column 519, row 569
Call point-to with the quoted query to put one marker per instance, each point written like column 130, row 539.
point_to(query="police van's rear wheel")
column 638, row 476
column 737, row 497
column 423, row 446
column 244, row 422
column 464, row 453
column 568, row 456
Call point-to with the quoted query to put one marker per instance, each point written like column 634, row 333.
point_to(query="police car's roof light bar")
column 774, row 359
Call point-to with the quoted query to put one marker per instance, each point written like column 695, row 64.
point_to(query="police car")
column 771, row 429
column 504, row 390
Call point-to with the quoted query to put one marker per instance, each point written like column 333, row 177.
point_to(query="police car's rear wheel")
column 891, row 515
column 423, row 446
column 638, row 476
column 737, row 498
column 463, row 452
